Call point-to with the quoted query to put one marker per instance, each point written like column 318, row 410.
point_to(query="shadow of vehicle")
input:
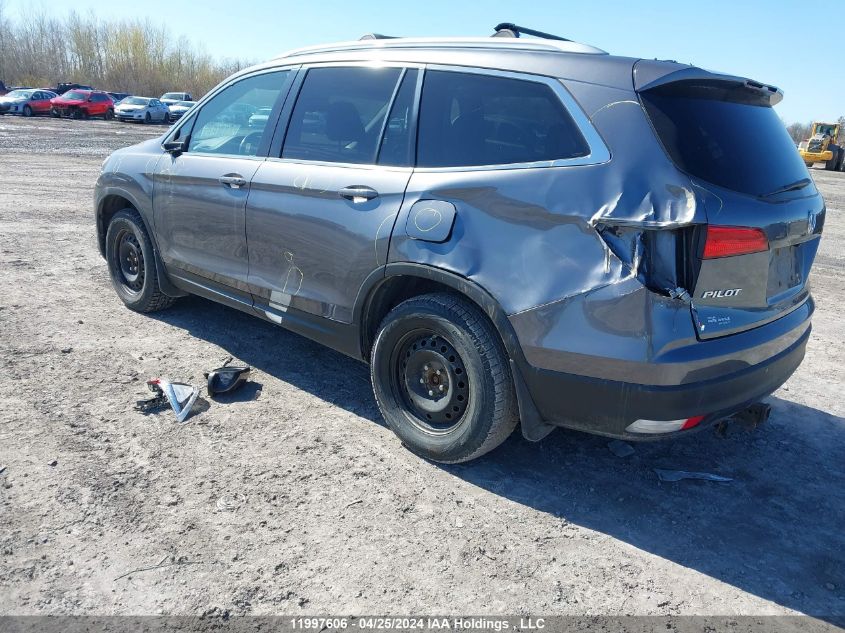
column 775, row 531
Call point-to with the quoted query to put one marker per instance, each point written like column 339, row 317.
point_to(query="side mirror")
column 175, row 147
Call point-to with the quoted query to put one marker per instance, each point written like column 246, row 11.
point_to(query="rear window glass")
column 735, row 145
column 471, row 119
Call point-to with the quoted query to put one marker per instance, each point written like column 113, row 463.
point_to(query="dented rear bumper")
column 642, row 373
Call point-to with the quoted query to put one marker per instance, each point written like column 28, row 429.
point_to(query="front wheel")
column 147, row 118
column 442, row 380
column 27, row 111
column 131, row 262
column 109, row 115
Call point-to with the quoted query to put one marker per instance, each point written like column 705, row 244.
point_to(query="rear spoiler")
column 671, row 77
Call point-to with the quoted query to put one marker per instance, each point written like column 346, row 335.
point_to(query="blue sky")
column 771, row 41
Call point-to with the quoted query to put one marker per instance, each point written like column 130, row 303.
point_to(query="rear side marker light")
column 664, row 426
column 727, row 241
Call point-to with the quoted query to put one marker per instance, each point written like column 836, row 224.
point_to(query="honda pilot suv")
column 506, row 229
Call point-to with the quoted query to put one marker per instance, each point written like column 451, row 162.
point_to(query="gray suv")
column 506, row 229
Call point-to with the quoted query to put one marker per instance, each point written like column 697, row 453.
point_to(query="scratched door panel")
column 310, row 248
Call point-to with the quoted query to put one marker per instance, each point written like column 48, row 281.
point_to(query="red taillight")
column 691, row 422
column 726, row 241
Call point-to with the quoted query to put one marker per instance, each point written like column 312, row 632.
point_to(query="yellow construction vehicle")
column 822, row 147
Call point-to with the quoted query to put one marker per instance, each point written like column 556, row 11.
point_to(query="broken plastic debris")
column 226, row 378
column 178, row 395
column 620, row 448
column 677, row 475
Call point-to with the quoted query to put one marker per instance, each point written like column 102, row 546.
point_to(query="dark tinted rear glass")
column 728, row 143
column 470, row 119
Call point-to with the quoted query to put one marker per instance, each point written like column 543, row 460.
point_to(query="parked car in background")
column 172, row 97
column 64, row 87
column 27, row 102
column 179, row 108
column 117, row 97
column 82, row 104
column 142, row 109
column 259, row 119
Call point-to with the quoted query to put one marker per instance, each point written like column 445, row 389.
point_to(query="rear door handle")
column 358, row 193
column 235, row 181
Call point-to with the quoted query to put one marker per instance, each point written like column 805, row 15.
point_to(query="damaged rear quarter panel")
column 531, row 238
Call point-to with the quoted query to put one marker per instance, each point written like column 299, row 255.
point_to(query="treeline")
column 134, row 55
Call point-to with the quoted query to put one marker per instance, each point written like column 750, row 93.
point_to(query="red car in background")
column 82, row 104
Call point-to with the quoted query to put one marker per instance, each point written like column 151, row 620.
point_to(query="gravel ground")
column 292, row 497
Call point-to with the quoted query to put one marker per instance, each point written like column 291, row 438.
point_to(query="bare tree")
column 136, row 56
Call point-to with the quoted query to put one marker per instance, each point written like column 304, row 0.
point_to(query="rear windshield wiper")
column 793, row 186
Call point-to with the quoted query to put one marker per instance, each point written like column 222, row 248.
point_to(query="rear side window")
column 340, row 113
column 468, row 119
column 722, row 138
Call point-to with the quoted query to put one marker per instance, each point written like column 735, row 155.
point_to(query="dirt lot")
column 294, row 498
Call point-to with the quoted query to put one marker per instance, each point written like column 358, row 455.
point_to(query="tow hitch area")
column 751, row 417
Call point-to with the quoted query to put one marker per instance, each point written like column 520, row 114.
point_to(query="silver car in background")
column 143, row 109
column 169, row 98
column 179, row 108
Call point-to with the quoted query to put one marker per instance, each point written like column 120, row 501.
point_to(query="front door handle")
column 235, row 181
column 358, row 193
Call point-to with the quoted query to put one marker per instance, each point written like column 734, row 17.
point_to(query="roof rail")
column 499, row 43
column 377, row 36
column 509, row 29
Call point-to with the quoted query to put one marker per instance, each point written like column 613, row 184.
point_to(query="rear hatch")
column 765, row 216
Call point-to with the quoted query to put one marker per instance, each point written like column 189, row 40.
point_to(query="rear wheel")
column 833, row 163
column 131, row 261
column 27, row 111
column 442, row 380
column 109, row 115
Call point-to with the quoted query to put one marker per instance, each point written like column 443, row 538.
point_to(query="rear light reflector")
column 664, row 426
column 727, row 241
column 691, row 422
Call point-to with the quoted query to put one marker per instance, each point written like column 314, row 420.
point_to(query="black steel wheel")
column 442, row 379
column 430, row 377
column 130, row 261
column 132, row 266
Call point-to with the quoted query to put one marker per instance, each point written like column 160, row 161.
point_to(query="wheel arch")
column 114, row 202
column 396, row 282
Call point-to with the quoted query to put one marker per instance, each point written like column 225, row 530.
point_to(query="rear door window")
column 340, row 113
column 471, row 119
column 722, row 137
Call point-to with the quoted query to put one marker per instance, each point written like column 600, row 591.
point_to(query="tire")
column 109, row 115
column 147, row 118
column 131, row 261
column 27, row 111
column 442, row 379
column 833, row 163
column 55, row 114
